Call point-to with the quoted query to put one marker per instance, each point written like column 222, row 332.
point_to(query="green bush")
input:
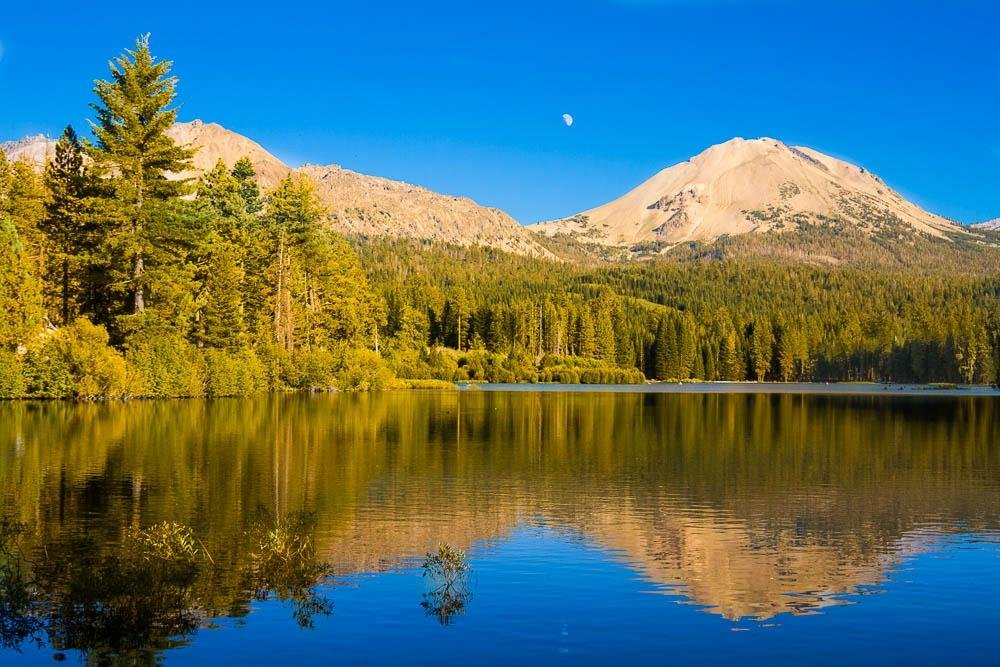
column 312, row 369
column 166, row 364
column 443, row 365
column 11, row 378
column 364, row 370
column 233, row 373
column 76, row 362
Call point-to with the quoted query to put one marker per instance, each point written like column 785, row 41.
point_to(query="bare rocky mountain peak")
column 748, row 185
column 37, row 149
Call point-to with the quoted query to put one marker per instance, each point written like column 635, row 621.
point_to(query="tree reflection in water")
column 131, row 601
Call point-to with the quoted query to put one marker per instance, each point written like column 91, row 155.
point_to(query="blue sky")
column 467, row 97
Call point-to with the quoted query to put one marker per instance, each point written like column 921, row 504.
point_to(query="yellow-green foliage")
column 76, row 362
column 311, row 369
column 11, row 379
column 233, row 373
column 166, row 364
column 364, row 370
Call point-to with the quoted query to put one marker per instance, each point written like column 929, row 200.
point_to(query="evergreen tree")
column 70, row 228
column 292, row 211
column 667, row 364
column 761, row 348
column 136, row 155
column 246, row 178
column 222, row 324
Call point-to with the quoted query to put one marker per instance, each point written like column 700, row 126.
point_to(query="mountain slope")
column 38, row 149
column 989, row 225
column 214, row 142
column 373, row 206
column 744, row 186
column 358, row 204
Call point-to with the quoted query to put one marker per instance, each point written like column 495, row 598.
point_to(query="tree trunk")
column 65, row 292
column 278, row 296
column 139, row 302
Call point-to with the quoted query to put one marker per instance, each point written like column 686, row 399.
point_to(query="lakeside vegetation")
column 120, row 279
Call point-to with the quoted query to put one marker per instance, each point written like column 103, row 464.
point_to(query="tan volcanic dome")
column 744, row 186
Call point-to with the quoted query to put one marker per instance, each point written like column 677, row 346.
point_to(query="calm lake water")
column 601, row 528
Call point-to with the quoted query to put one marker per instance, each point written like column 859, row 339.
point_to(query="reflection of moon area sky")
column 566, row 117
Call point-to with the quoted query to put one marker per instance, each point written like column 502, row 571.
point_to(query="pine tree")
column 246, row 176
column 604, row 332
column 729, row 359
column 761, row 344
column 586, row 337
column 666, row 353
column 135, row 154
column 222, row 324
column 22, row 199
column 70, row 227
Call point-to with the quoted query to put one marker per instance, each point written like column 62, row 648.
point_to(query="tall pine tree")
column 136, row 155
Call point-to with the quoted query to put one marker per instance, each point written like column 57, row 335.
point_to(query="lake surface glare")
column 641, row 528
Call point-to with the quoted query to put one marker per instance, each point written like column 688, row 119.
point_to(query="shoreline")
column 800, row 388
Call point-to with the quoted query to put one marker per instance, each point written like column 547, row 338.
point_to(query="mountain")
column 38, row 149
column 372, row 206
column 744, row 186
column 990, row 225
column 358, row 204
column 364, row 205
column 214, row 142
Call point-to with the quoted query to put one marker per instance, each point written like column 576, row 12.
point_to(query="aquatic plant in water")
column 448, row 569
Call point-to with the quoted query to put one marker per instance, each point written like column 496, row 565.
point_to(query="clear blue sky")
column 467, row 97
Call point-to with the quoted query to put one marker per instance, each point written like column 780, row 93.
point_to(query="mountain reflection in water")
column 746, row 505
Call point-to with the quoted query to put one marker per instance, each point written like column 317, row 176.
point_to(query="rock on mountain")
column 744, row 186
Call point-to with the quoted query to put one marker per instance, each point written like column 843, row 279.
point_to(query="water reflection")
column 750, row 505
column 126, row 603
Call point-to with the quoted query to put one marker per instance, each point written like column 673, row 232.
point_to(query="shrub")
column 166, row 364
column 312, row 369
column 233, row 373
column 11, row 378
column 76, row 362
column 364, row 370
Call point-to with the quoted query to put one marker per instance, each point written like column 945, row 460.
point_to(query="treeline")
column 716, row 320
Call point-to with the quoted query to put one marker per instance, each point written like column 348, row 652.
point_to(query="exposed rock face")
column 744, row 186
column 991, row 225
column 358, row 204
column 214, row 142
column 372, row 206
column 39, row 149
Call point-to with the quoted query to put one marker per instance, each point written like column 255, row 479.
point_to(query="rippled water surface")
column 625, row 528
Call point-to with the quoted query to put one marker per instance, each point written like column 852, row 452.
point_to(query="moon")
column 568, row 120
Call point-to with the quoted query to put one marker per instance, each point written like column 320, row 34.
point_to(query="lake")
column 629, row 527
